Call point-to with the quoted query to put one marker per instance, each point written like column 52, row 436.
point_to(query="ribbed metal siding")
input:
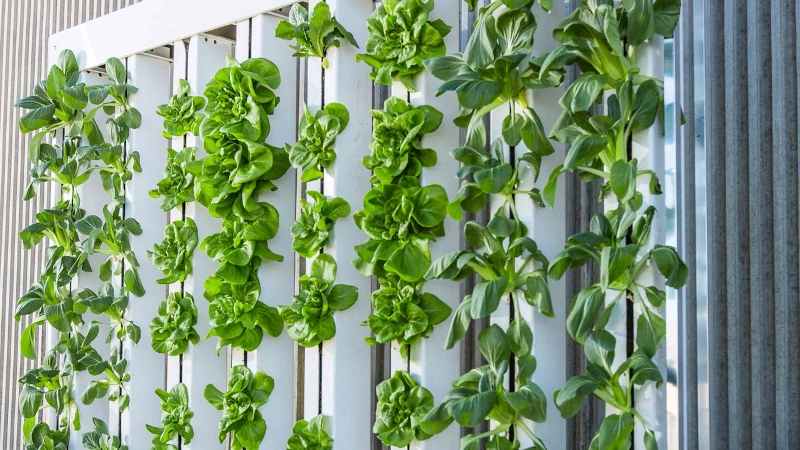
column 25, row 26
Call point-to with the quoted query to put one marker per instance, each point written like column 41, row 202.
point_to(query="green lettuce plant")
column 175, row 418
column 481, row 394
column 400, row 38
column 237, row 317
column 402, row 405
column 314, row 35
column 241, row 242
column 309, row 319
column 317, row 134
column 241, row 418
column 240, row 99
column 100, row 438
column 177, row 186
column 182, row 114
column 311, row 230
column 403, row 313
column 396, row 149
column 173, row 256
column 310, row 435
column 400, row 220
column 173, row 329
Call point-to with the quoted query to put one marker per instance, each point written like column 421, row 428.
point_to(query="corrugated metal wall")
column 25, row 26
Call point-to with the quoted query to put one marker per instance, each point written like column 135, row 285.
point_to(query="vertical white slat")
column 547, row 226
column 275, row 356
column 346, row 358
column 147, row 368
column 430, row 364
column 178, row 73
column 648, row 148
column 201, row 365
column 93, row 198
column 312, row 356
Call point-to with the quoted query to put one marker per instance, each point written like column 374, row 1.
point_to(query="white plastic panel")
column 147, row 368
column 346, row 358
column 201, row 365
column 430, row 364
column 275, row 356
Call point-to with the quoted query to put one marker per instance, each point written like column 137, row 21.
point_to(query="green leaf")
column 641, row 21
column 27, row 341
column 583, row 311
column 583, row 150
column 651, row 330
column 520, row 337
column 486, row 297
column 623, row 180
column 342, row 297
column 469, row 407
column 671, row 266
column 615, row 432
column 494, row 346
column 568, row 399
column 410, row 261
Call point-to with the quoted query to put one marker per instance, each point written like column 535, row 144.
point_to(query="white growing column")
column 147, row 368
column 346, row 358
column 275, row 356
column 93, row 198
column 430, row 364
column 648, row 148
column 201, row 365
column 548, row 228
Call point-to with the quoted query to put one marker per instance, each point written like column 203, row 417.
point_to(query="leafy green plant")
column 314, row 226
column 314, row 35
column 400, row 38
column 240, row 99
column 100, row 438
column 235, row 172
column 502, row 259
column 310, row 435
column 402, row 312
column 309, row 319
column 481, row 394
column 182, row 114
column 402, row 405
column 237, row 317
column 491, row 74
column 173, row 256
column 175, row 418
column 112, row 237
column 239, row 405
column 177, row 186
column 240, row 243
column 317, row 134
column 396, row 148
column 400, row 220
column 115, row 371
column 173, row 329
column 42, row 437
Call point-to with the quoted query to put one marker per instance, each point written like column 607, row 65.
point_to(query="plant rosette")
column 177, row 186
column 240, row 99
column 182, row 114
column 403, row 313
column 481, row 394
column 314, row 226
column 240, row 243
column 504, row 259
column 314, row 147
column 396, row 148
column 173, row 256
column 237, row 317
column 230, row 179
column 400, row 38
column 400, row 220
column 402, row 405
column 175, row 418
column 315, row 35
column 309, row 320
column 173, row 329
column 240, row 405
column 310, row 435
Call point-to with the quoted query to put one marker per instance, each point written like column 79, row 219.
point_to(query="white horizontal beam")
column 150, row 24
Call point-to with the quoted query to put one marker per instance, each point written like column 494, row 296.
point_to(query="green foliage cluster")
column 182, row 114
column 173, row 329
column 309, row 319
column 310, row 435
column 402, row 405
column 177, row 186
column 173, row 256
column 315, row 223
column 175, row 418
column 313, row 35
column 67, row 147
column 314, row 150
column 239, row 405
